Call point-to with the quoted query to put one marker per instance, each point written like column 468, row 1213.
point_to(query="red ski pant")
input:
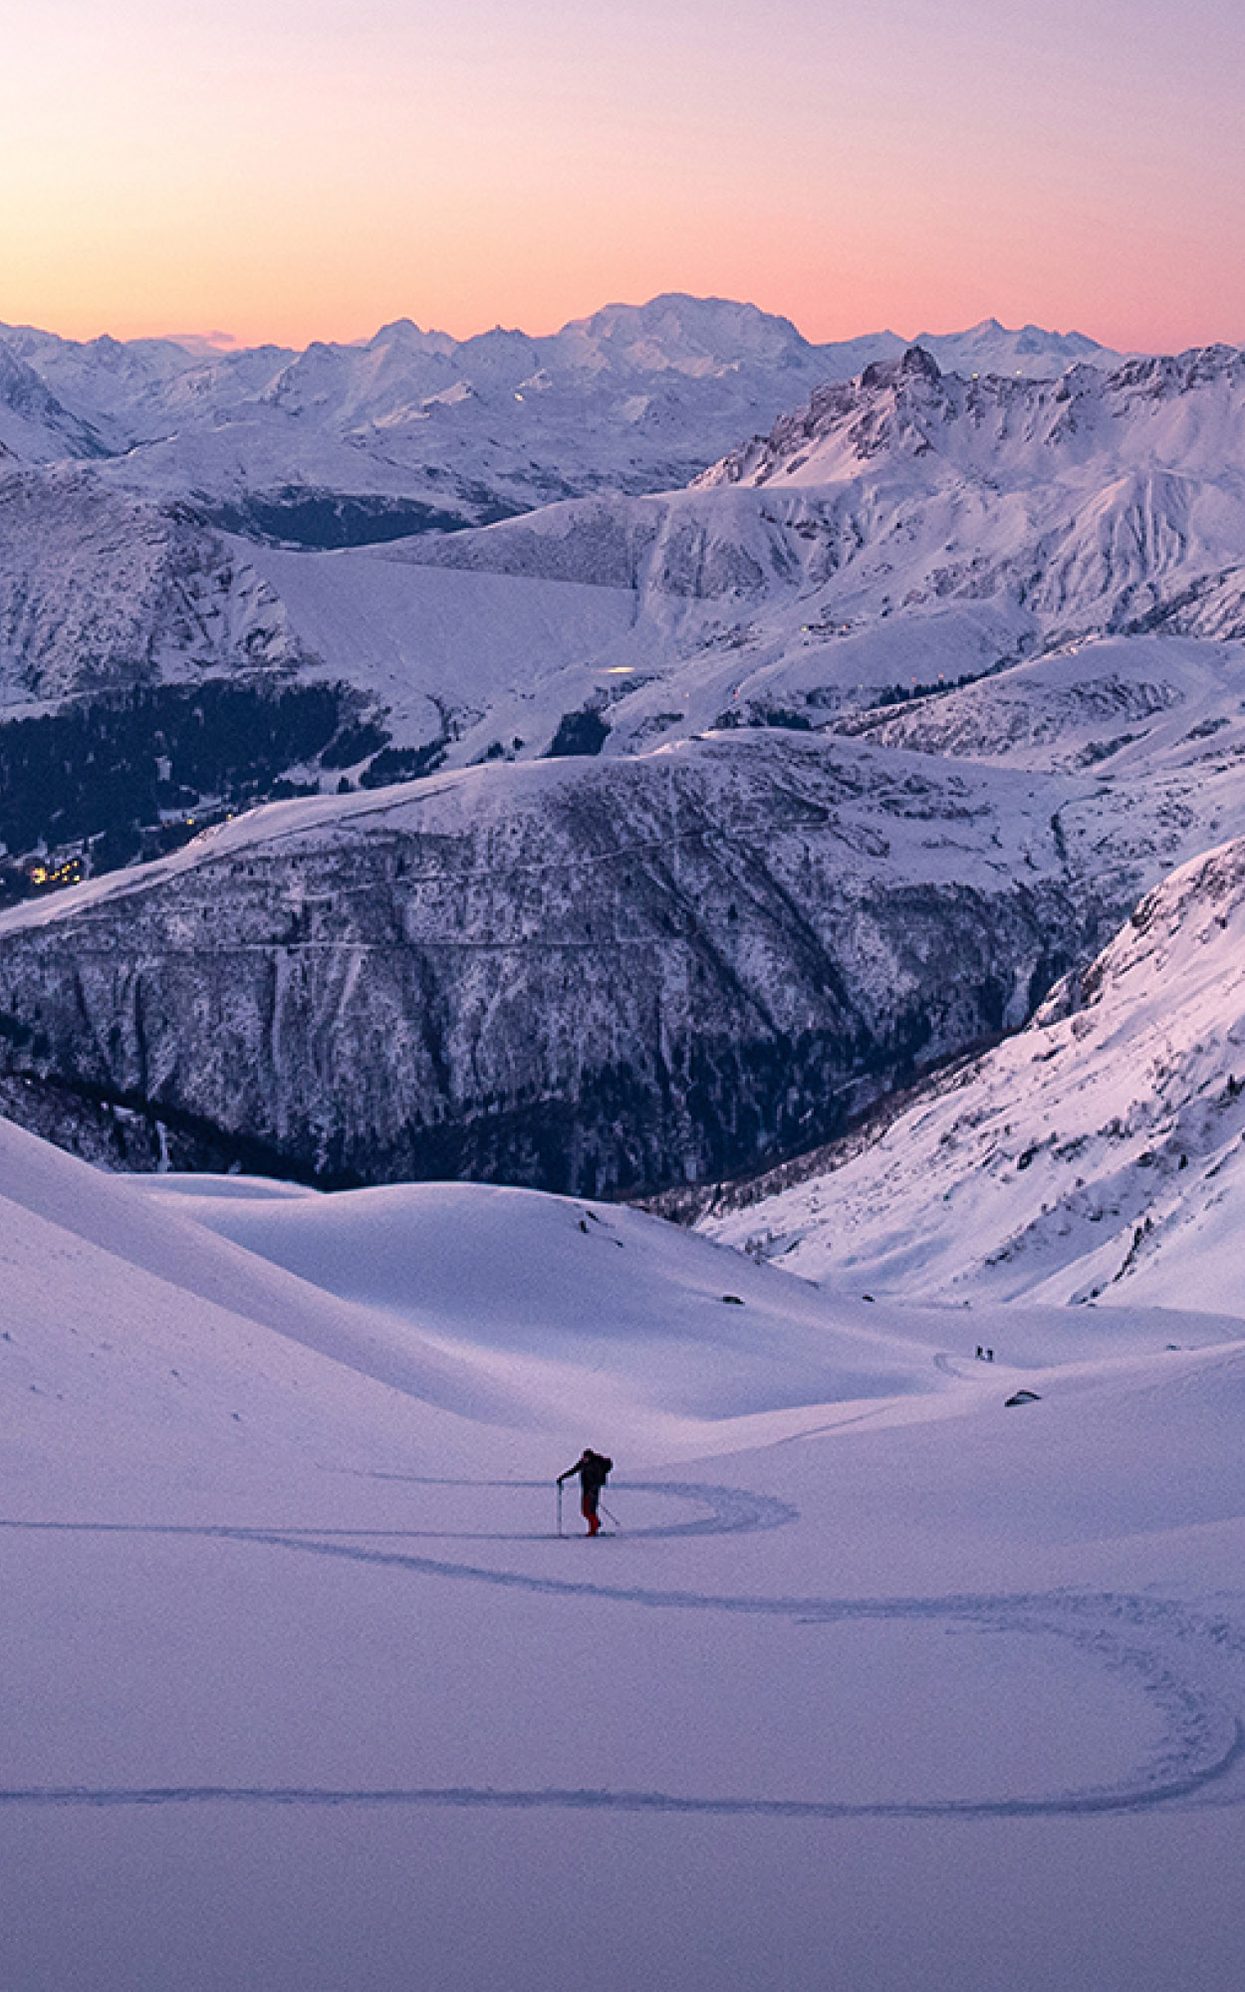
column 588, row 1509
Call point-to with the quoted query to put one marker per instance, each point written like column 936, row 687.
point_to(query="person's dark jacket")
column 593, row 1469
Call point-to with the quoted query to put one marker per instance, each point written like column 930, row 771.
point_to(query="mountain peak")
column 405, row 333
column 396, row 328
column 915, row 363
column 722, row 327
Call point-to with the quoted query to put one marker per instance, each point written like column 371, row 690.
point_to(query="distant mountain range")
column 342, row 444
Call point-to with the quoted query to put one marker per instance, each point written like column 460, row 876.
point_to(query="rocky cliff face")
column 590, row 976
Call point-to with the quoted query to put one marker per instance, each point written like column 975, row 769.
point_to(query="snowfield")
column 878, row 1682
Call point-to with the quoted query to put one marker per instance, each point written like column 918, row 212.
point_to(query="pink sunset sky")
column 291, row 169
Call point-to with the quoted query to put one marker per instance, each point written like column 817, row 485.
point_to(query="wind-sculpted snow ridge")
column 1094, row 1157
column 429, row 1303
column 534, row 1281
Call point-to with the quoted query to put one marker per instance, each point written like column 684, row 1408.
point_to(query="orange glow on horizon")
column 288, row 173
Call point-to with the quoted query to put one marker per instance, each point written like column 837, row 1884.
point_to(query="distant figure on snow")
column 594, row 1470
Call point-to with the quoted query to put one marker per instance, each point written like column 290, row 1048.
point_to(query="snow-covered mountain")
column 101, row 591
column 443, row 978
column 906, row 529
column 808, row 966
column 1183, row 411
column 972, row 576
column 366, row 441
column 722, row 605
column 1028, row 350
column 791, row 786
column 1095, row 1156
column 34, row 426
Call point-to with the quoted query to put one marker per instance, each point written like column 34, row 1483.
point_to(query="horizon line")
column 224, row 342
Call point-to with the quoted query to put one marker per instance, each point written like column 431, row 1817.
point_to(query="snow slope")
column 490, row 658
column 460, row 1300
column 1096, row 1156
column 638, row 1304
column 302, row 1689
column 34, row 426
column 100, row 592
column 1120, row 706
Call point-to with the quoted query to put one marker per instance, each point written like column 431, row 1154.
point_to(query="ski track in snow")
column 1203, row 1741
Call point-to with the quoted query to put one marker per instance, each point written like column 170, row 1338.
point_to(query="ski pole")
column 559, row 1488
column 609, row 1518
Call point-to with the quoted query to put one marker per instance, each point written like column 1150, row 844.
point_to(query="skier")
column 594, row 1470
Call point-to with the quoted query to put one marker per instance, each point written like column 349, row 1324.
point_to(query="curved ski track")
column 1133, row 1634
